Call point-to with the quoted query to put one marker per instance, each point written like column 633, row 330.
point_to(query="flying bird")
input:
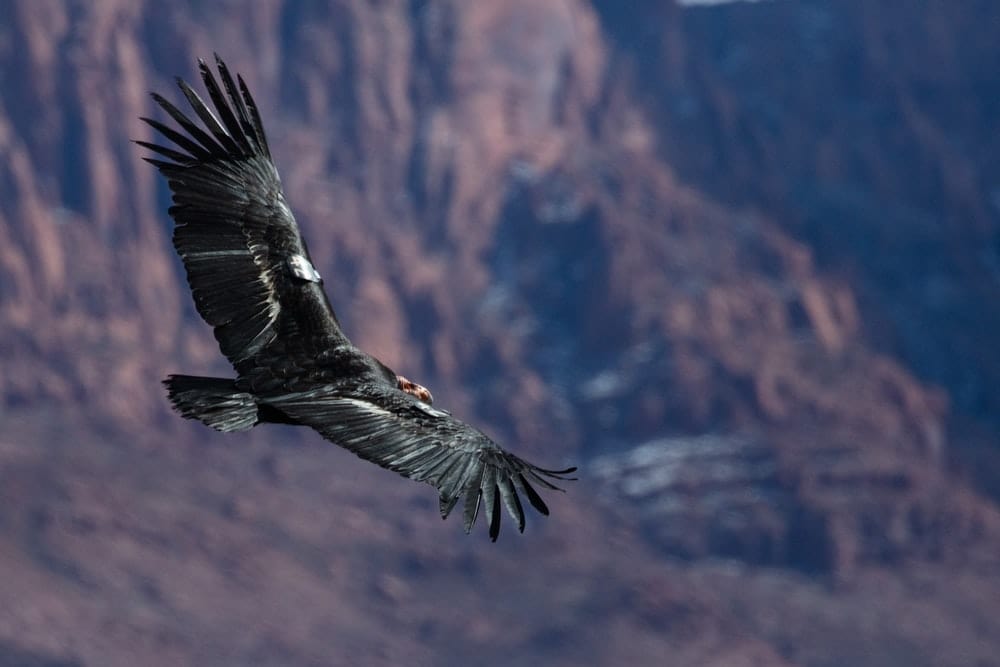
column 254, row 282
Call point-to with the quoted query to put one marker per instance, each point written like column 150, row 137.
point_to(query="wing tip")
column 503, row 486
column 559, row 474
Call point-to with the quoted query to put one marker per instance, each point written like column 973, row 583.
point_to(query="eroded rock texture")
column 740, row 262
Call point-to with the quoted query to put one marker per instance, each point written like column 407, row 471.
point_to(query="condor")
column 254, row 282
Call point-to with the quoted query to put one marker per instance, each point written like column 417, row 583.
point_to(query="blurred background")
column 739, row 261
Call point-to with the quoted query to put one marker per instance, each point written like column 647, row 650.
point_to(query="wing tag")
column 303, row 269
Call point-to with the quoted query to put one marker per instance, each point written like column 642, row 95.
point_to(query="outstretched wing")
column 402, row 434
column 247, row 265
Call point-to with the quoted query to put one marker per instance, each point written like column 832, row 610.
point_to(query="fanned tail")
column 213, row 401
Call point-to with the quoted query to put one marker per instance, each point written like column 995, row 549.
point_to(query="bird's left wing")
column 417, row 441
column 247, row 265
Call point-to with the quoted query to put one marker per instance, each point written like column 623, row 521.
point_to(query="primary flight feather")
column 254, row 282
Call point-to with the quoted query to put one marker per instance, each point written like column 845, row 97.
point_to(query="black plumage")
column 253, row 281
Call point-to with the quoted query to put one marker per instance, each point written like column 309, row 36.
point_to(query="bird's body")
column 254, row 282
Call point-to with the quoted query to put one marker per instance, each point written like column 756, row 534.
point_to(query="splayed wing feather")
column 196, row 151
column 257, row 143
column 208, row 144
column 491, row 500
column 225, row 113
column 176, row 156
column 511, row 501
column 209, row 119
column 254, row 116
column 473, row 499
column 521, row 484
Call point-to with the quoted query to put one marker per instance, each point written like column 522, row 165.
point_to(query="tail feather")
column 213, row 401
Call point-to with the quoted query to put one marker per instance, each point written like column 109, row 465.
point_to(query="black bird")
column 253, row 281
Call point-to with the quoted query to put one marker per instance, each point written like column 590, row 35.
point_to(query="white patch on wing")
column 303, row 269
column 431, row 411
column 367, row 407
column 212, row 254
column 258, row 252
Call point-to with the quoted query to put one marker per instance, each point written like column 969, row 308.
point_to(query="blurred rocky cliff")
column 742, row 262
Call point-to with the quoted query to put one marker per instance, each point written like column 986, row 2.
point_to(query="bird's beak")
column 415, row 389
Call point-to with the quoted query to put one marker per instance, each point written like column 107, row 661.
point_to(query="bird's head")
column 415, row 389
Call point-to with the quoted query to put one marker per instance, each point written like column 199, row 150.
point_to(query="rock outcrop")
column 741, row 262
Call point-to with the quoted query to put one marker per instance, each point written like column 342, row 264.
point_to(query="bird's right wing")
column 247, row 265
column 427, row 445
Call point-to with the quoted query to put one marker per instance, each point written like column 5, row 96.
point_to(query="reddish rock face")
column 741, row 260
